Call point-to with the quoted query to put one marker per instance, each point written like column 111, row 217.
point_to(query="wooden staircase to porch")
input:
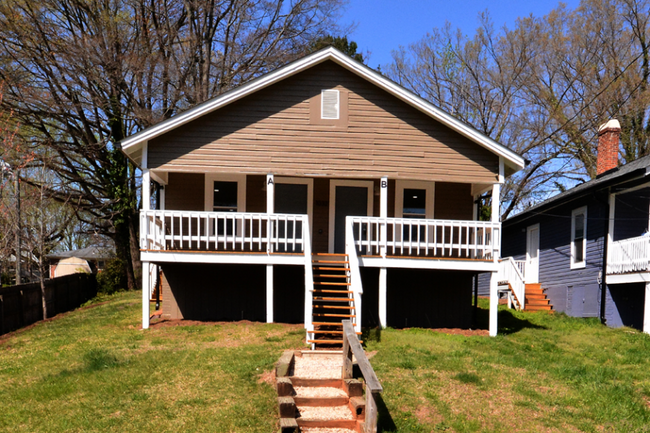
column 333, row 301
column 536, row 299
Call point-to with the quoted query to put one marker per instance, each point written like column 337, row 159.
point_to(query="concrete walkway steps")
column 313, row 398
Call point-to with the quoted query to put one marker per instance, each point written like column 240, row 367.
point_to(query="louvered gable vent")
column 329, row 104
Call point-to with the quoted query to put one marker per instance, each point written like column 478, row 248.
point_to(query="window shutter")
column 329, row 104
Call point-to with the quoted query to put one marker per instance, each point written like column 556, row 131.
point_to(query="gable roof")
column 89, row 253
column 131, row 145
column 635, row 169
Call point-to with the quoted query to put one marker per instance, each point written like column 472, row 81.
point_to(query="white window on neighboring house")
column 579, row 237
column 330, row 104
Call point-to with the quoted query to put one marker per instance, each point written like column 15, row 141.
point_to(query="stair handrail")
column 510, row 272
column 356, row 285
column 309, row 278
column 352, row 346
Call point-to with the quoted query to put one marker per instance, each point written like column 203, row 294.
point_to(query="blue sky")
column 384, row 25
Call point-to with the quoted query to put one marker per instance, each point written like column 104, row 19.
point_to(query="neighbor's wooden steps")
column 536, row 299
column 332, row 299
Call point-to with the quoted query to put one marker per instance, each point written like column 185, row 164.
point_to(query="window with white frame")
column 413, row 200
column 225, row 193
column 579, row 237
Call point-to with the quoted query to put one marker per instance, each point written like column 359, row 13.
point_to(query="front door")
column 532, row 254
column 290, row 199
column 350, row 198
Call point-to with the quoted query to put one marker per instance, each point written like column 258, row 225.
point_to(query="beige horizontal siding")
column 271, row 131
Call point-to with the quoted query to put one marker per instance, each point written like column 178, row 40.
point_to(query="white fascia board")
column 511, row 158
column 420, row 263
column 638, row 277
column 221, row 258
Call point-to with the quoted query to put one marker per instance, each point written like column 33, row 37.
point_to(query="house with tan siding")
column 318, row 192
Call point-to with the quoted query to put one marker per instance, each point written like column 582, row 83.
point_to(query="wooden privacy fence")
column 352, row 346
column 22, row 305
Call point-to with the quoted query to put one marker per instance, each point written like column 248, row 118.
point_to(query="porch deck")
column 261, row 238
column 628, row 260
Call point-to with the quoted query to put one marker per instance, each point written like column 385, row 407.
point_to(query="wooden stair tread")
column 330, row 262
column 338, row 324
column 330, row 283
column 341, row 299
column 331, row 291
column 333, row 315
column 335, row 307
column 324, row 331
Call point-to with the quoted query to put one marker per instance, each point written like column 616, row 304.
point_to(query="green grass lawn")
column 95, row 370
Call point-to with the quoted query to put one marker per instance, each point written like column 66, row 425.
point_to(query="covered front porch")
column 280, row 238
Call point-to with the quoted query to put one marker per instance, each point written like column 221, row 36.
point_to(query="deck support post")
column 494, row 304
column 382, row 297
column 383, row 213
column 646, row 309
column 270, row 208
column 269, row 293
column 145, row 295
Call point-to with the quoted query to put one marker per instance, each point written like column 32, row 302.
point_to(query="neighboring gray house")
column 591, row 237
column 89, row 260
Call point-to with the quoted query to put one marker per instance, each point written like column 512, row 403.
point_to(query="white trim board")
column 638, row 277
column 511, row 159
column 223, row 258
column 422, row 263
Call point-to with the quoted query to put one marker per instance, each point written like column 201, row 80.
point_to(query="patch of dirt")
column 427, row 414
column 267, row 377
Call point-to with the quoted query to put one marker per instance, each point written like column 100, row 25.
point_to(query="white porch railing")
column 356, row 286
column 629, row 255
column 521, row 265
column 222, row 231
column 478, row 240
column 510, row 273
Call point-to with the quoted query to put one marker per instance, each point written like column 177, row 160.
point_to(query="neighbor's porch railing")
column 478, row 240
column 629, row 255
column 222, row 231
column 510, row 273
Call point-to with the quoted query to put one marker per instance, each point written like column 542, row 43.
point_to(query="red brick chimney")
column 608, row 138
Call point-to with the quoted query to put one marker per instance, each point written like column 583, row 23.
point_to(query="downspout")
column 603, row 279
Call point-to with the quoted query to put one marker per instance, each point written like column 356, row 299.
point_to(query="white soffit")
column 512, row 159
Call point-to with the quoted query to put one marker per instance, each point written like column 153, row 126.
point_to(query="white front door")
column 532, row 254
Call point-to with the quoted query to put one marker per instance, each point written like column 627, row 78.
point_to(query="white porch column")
column 161, row 205
column 269, row 293
column 383, row 213
column 382, row 297
column 494, row 304
column 270, row 208
column 146, row 189
column 610, row 230
column 646, row 309
column 496, row 199
column 145, row 295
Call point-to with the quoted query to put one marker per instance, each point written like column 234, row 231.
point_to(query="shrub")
column 113, row 278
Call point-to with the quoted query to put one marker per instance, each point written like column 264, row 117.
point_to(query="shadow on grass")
column 508, row 322
column 384, row 420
